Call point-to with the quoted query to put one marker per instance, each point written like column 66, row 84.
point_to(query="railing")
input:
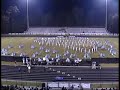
column 60, row 34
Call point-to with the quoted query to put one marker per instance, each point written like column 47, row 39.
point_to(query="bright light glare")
column 103, row 1
column 24, row 1
column 108, row 0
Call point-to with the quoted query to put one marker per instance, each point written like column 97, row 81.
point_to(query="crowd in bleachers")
column 106, row 89
column 15, row 87
column 66, row 30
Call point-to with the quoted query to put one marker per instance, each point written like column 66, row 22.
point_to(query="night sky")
column 64, row 12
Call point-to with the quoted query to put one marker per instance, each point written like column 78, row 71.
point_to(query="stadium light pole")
column 106, row 14
column 27, row 15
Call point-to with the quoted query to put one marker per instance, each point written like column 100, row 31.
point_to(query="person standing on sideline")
column 19, row 69
column 15, row 63
column 29, row 68
column 23, row 61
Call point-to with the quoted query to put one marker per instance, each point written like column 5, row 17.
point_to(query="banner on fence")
column 75, row 85
column 85, row 85
column 53, row 84
column 61, row 84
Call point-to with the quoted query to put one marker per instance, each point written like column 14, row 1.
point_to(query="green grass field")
column 102, row 85
column 11, row 63
column 28, row 41
column 21, row 83
column 110, row 65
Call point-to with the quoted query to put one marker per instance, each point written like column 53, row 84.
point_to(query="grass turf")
column 109, row 65
column 28, row 41
column 21, row 83
column 11, row 63
column 102, row 85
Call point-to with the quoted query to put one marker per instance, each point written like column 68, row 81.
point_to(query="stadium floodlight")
column 106, row 5
column 106, row 14
column 27, row 15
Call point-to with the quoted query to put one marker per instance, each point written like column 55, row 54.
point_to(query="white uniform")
column 23, row 60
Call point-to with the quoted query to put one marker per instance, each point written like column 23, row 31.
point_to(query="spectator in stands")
column 36, row 88
column 80, row 87
column 4, row 87
column 15, row 86
column 47, row 88
column 110, row 89
column 7, row 87
column 63, row 88
column 11, row 87
column 31, row 88
column 43, row 88
column 23, row 88
column 28, row 88
column 72, row 87
column 114, row 88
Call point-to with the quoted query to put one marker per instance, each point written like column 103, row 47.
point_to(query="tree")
column 4, row 24
column 113, row 23
column 12, row 12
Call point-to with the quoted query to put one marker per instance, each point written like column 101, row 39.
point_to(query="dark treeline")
column 59, row 13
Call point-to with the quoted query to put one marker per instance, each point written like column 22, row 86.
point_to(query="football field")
column 55, row 44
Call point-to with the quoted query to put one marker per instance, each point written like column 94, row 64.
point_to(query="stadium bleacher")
column 67, row 30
